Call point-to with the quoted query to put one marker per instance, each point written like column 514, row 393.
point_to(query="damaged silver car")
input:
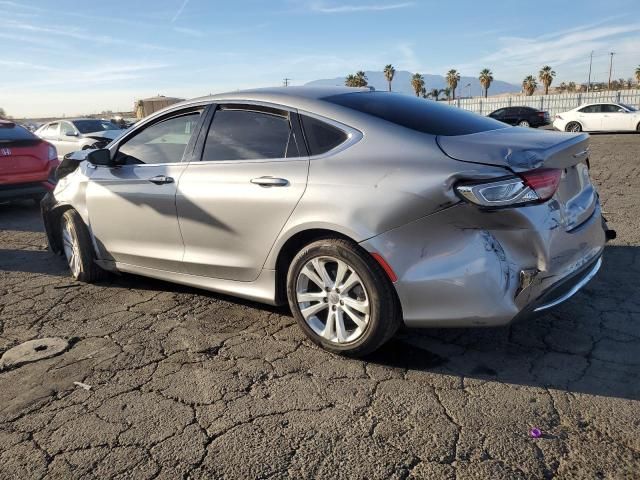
column 69, row 135
column 363, row 210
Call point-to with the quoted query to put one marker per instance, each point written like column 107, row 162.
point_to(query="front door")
column 67, row 139
column 131, row 207
column 234, row 202
column 615, row 118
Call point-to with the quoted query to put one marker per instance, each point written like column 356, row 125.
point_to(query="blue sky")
column 72, row 57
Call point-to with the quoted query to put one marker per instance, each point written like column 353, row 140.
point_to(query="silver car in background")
column 70, row 135
column 361, row 209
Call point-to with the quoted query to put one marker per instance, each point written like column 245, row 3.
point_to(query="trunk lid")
column 23, row 161
column 523, row 149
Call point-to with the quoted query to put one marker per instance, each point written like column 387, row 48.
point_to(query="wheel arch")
column 52, row 225
column 566, row 125
column 290, row 247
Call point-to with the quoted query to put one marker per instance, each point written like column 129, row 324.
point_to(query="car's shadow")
column 590, row 344
column 13, row 215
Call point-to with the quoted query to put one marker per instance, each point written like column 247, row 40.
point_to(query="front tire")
column 573, row 127
column 341, row 297
column 77, row 248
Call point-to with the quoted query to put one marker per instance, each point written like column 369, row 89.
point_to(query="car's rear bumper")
column 21, row 191
column 462, row 267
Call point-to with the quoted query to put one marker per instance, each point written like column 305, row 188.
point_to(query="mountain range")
column 402, row 83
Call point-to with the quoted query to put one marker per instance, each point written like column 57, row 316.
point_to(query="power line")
column 286, row 81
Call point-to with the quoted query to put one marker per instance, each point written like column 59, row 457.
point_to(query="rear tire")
column 524, row 123
column 573, row 127
column 78, row 249
column 638, row 128
column 349, row 304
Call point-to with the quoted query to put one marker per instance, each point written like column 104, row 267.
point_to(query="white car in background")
column 599, row 117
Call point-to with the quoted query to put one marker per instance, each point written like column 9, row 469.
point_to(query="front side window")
column 66, row 128
column 161, row 142
column 612, row 108
column 239, row 134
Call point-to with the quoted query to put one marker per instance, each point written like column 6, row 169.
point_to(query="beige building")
column 147, row 106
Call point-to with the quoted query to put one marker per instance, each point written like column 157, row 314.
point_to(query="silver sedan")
column 69, row 135
column 363, row 210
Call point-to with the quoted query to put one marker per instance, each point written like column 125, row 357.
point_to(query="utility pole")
column 590, row 63
column 286, row 81
column 611, row 68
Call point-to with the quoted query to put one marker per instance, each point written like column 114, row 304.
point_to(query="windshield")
column 90, row 126
column 629, row 107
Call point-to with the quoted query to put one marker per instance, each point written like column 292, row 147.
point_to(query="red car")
column 27, row 164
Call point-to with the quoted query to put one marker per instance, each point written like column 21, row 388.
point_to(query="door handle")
column 161, row 179
column 270, row 181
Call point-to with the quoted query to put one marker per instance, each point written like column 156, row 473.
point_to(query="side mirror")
column 71, row 134
column 101, row 157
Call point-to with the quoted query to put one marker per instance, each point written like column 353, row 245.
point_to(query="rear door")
column 51, row 134
column 132, row 210
column 234, row 199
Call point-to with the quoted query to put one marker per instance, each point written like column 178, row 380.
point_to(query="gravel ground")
column 186, row 383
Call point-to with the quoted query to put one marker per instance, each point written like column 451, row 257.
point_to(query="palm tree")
column 357, row 80
column 389, row 73
column 417, row 82
column 447, row 92
column 486, row 77
column 434, row 93
column 453, row 77
column 638, row 74
column 529, row 85
column 545, row 75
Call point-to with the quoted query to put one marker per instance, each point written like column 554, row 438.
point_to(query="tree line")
column 452, row 78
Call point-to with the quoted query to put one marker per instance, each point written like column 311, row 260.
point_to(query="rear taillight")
column 534, row 186
column 541, row 114
column 53, row 153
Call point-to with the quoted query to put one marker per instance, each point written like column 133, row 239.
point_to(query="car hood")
column 517, row 148
column 110, row 134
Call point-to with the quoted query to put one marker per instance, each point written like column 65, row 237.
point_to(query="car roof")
column 294, row 97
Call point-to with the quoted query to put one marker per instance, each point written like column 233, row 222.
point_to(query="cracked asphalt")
column 190, row 384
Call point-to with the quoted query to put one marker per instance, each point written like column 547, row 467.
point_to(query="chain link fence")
column 553, row 104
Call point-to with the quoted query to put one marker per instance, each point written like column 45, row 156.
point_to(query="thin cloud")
column 192, row 32
column 180, row 10
column 324, row 8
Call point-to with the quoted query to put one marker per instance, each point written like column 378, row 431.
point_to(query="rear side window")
column 321, row 137
column 10, row 132
column 592, row 109
column 238, row 134
column 424, row 116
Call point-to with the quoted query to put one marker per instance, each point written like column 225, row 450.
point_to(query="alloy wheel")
column 71, row 248
column 333, row 299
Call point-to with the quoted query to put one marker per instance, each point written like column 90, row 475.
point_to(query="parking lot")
column 183, row 383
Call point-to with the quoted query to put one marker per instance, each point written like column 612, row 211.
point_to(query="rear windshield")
column 425, row 116
column 14, row 132
column 90, row 126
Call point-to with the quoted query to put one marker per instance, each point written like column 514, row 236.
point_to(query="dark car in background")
column 27, row 164
column 522, row 116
